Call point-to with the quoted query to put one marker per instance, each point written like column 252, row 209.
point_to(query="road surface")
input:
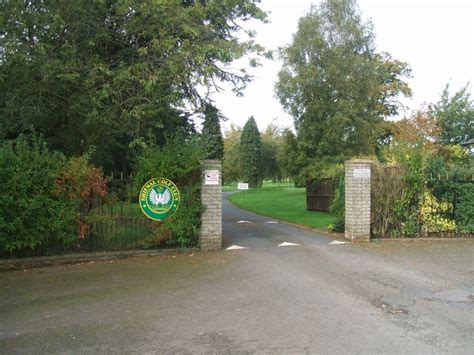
column 312, row 297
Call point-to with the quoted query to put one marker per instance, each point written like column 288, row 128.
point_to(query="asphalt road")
column 313, row 297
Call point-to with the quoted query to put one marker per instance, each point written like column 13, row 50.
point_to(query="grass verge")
column 283, row 203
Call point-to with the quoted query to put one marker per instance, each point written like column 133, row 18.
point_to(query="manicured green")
column 283, row 203
column 230, row 187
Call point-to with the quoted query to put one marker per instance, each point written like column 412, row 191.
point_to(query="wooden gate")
column 319, row 194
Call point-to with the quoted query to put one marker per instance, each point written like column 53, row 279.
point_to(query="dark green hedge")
column 180, row 162
column 461, row 195
column 34, row 219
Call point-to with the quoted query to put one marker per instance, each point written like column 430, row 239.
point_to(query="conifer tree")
column 211, row 134
column 251, row 154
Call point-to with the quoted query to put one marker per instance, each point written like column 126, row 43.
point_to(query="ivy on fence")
column 402, row 208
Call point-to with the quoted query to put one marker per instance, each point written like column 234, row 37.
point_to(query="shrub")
column 435, row 214
column 459, row 195
column 387, row 187
column 464, row 210
column 84, row 185
column 180, row 162
column 33, row 218
column 46, row 199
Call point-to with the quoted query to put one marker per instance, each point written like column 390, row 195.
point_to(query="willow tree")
column 336, row 86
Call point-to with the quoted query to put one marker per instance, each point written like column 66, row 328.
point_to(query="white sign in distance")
column 211, row 177
column 243, row 186
column 363, row 173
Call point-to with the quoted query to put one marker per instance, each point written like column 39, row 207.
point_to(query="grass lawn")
column 229, row 187
column 233, row 185
column 283, row 203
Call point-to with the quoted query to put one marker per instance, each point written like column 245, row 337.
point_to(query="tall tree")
column 112, row 74
column 287, row 155
column 251, row 154
column 336, row 86
column 231, row 164
column 271, row 139
column 455, row 116
column 212, row 134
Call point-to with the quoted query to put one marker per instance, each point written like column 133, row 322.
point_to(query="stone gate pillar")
column 357, row 189
column 210, row 236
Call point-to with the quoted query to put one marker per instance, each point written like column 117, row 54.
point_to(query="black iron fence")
column 443, row 206
column 119, row 226
column 117, row 223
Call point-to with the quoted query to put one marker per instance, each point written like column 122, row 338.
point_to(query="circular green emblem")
column 159, row 199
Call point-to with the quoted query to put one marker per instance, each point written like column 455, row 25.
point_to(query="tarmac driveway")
column 313, row 297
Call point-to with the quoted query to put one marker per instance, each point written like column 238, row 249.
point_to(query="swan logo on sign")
column 159, row 199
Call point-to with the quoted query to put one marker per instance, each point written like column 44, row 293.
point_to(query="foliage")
column 37, row 216
column 211, row 134
column 432, row 214
column 271, row 145
column 450, row 162
column 179, row 161
column 336, row 87
column 387, row 188
column 110, row 73
column 457, row 194
column 464, row 211
column 278, row 154
column 455, row 116
column 338, row 204
column 283, row 203
column 287, row 155
column 398, row 205
column 409, row 197
column 231, row 164
column 251, row 154
column 86, row 186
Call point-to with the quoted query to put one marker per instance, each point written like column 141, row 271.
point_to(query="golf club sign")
column 159, row 199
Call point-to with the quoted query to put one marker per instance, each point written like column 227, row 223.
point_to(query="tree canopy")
column 211, row 133
column 336, row 86
column 112, row 74
column 271, row 144
column 455, row 116
column 231, row 163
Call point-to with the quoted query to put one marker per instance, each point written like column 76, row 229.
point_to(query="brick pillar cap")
column 210, row 161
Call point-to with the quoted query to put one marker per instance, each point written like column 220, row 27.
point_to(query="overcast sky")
column 435, row 37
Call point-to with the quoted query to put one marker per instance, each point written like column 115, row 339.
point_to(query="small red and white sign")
column 211, row 177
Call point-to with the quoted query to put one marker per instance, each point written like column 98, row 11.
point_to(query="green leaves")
column 34, row 219
column 211, row 134
column 334, row 84
column 251, row 154
column 180, row 162
column 107, row 73
column 455, row 116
